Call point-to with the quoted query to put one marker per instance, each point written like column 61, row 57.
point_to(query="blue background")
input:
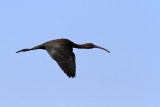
column 127, row 77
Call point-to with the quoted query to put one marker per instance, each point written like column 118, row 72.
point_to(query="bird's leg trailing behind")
column 36, row 47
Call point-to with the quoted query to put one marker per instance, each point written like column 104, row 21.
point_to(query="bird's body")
column 61, row 50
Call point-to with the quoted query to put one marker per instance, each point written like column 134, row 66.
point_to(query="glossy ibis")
column 61, row 50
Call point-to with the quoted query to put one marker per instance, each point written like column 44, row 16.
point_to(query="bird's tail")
column 36, row 47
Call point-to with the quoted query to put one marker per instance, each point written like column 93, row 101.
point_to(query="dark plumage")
column 61, row 50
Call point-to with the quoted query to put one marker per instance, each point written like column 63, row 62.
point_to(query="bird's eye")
column 91, row 45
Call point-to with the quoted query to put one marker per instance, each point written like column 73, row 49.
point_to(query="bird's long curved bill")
column 102, row 48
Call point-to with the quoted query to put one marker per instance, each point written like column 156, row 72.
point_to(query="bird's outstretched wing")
column 65, row 58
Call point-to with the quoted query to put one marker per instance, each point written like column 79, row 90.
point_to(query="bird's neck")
column 80, row 46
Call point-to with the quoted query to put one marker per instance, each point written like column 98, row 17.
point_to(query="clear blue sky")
column 127, row 77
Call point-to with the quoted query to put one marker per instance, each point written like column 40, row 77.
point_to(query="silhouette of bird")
column 61, row 50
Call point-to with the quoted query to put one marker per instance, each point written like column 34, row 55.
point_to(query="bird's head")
column 91, row 45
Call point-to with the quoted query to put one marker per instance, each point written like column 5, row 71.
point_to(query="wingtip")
column 71, row 76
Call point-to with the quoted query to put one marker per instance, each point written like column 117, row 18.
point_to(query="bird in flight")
column 61, row 50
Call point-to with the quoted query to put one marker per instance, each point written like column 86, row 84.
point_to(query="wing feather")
column 65, row 59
